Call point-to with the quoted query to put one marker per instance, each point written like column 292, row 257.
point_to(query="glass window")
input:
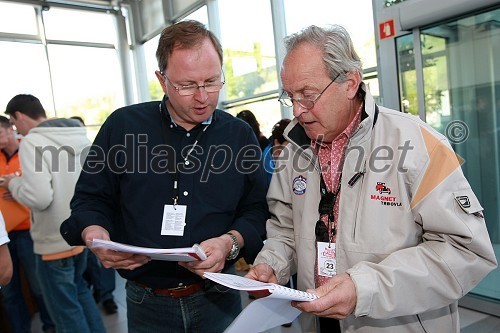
column 79, row 25
column 267, row 113
column 407, row 74
column 151, row 66
column 18, row 18
column 24, row 71
column 181, row 5
column 89, row 89
column 462, row 100
column 324, row 12
column 199, row 15
column 249, row 55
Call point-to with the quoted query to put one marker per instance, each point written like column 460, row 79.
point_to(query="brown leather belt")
column 180, row 291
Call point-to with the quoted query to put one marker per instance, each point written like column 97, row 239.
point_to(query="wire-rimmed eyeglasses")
column 210, row 86
column 306, row 103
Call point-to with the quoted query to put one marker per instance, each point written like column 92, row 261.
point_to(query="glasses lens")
column 187, row 91
column 305, row 103
column 213, row 87
column 321, row 231
column 285, row 101
column 191, row 90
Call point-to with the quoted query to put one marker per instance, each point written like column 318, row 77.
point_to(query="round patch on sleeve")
column 299, row 185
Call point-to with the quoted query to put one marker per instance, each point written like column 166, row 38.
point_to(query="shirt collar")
column 206, row 122
column 347, row 133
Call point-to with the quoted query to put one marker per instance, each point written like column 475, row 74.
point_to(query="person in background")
column 17, row 219
column 99, row 278
column 248, row 117
column 179, row 157
column 5, row 261
column 370, row 206
column 80, row 119
column 50, row 154
column 276, row 144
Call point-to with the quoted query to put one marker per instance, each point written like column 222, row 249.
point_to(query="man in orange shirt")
column 17, row 221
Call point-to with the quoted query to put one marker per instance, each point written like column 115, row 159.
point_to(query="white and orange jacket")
column 411, row 232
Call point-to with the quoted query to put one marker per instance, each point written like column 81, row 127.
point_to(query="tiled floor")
column 470, row 321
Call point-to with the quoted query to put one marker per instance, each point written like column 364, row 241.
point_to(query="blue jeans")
column 209, row 311
column 100, row 278
column 21, row 252
column 71, row 304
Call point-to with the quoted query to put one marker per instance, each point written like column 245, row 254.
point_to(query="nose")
column 298, row 110
column 201, row 94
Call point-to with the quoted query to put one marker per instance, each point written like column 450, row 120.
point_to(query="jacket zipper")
column 359, row 176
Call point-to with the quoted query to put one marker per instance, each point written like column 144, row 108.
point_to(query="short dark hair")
column 279, row 129
column 250, row 119
column 5, row 122
column 26, row 104
column 184, row 35
column 80, row 119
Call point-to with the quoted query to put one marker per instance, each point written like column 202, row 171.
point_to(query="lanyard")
column 327, row 204
column 171, row 159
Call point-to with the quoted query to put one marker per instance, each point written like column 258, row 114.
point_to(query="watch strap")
column 235, row 249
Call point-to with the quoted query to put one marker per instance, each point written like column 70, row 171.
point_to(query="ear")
column 160, row 78
column 353, row 81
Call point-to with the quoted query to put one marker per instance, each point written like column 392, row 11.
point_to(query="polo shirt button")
column 188, row 134
column 185, row 193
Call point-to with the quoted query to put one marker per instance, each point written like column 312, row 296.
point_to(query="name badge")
column 327, row 259
column 174, row 220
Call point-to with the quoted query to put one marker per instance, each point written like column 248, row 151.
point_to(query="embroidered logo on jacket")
column 463, row 201
column 385, row 200
column 299, row 185
column 381, row 188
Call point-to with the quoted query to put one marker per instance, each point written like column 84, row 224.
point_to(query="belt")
column 181, row 290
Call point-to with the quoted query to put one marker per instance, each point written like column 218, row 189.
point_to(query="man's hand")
column 5, row 180
column 110, row 258
column 337, row 299
column 263, row 273
column 216, row 250
column 7, row 195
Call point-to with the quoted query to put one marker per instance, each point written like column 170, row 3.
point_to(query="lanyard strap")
column 171, row 165
column 327, row 203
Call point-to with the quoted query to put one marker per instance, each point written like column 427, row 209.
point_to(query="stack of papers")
column 178, row 254
column 264, row 313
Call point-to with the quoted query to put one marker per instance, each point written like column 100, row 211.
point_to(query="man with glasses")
column 369, row 206
column 171, row 174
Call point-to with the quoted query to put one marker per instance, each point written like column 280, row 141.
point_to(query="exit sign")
column 386, row 29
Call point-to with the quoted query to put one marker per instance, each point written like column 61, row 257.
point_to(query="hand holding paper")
column 178, row 254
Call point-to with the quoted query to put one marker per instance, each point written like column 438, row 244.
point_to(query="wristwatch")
column 235, row 249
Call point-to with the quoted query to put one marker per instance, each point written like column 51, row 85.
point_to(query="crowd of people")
column 311, row 206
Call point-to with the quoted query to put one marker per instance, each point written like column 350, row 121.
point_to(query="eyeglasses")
column 191, row 89
column 305, row 103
